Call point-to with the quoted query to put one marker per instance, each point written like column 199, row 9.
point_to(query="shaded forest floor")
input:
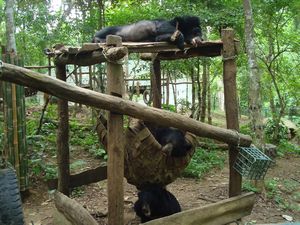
column 281, row 199
column 191, row 193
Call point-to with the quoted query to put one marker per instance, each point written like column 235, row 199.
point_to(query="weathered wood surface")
column 91, row 53
column 156, row 83
column 219, row 213
column 115, row 137
column 72, row 210
column 72, row 93
column 231, row 106
column 86, row 177
column 62, row 138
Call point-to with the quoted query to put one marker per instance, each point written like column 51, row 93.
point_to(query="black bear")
column 172, row 140
column 154, row 201
column 178, row 30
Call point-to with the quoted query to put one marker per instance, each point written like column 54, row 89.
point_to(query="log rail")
column 72, row 93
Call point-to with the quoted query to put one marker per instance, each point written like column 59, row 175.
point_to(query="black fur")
column 172, row 140
column 154, row 201
column 156, row 30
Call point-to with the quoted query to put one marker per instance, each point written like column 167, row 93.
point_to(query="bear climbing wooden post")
column 231, row 105
column 115, row 141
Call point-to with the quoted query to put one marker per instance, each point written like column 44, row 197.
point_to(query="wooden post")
column 231, row 105
column 115, row 143
column 80, row 82
column 46, row 96
column 62, row 140
column 156, row 83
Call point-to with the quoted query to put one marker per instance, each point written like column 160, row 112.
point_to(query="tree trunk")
column 204, row 90
column 62, row 138
column 193, row 90
column 10, row 26
column 199, row 90
column 168, row 88
column 209, row 118
column 173, row 82
column 255, row 104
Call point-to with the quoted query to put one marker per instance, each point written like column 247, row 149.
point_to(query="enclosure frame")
column 91, row 54
column 229, row 54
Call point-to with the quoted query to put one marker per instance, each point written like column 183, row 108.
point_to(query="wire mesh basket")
column 252, row 163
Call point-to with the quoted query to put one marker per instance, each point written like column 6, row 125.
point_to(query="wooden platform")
column 91, row 53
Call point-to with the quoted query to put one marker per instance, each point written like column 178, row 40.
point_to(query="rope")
column 229, row 58
column 238, row 137
column 118, row 62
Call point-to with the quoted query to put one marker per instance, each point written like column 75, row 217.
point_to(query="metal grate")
column 252, row 163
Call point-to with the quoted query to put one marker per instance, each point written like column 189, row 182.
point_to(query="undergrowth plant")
column 203, row 161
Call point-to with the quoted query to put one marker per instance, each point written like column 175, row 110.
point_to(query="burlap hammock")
column 145, row 162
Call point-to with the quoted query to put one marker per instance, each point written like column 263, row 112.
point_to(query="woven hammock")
column 145, row 162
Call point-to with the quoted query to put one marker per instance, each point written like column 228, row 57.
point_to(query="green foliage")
column 285, row 147
column 77, row 192
column 270, row 127
column 246, row 129
column 38, row 168
column 247, row 186
column 203, row 161
column 284, row 193
column 272, row 187
column 168, row 107
column 98, row 153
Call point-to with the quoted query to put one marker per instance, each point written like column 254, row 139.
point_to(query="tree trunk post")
column 115, row 142
column 231, row 105
column 62, row 141
column 156, row 83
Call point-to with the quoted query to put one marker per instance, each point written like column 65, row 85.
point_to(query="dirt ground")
column 191, row 193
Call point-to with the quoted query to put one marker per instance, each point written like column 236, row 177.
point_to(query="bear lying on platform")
column 177, row 31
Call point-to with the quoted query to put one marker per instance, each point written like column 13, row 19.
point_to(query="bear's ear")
column 188, row 146
column 179, row 19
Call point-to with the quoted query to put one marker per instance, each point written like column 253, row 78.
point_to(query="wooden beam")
column 91, row 53
column 156, row 83
column 86, row 177
column 80, row 59
column 72, row 93
column 115, row 139
column 72, row 210
column 62, row 138
column 231, row 105
column 222, row 212
column 39, row 67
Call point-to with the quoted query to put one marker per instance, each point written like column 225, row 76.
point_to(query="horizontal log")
column 91, row 53
column 86, row 177
column 222, row 212
column 160, row 117
column 38, row 67
column 72, row 210
column 211, row 50
column 80, row 59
